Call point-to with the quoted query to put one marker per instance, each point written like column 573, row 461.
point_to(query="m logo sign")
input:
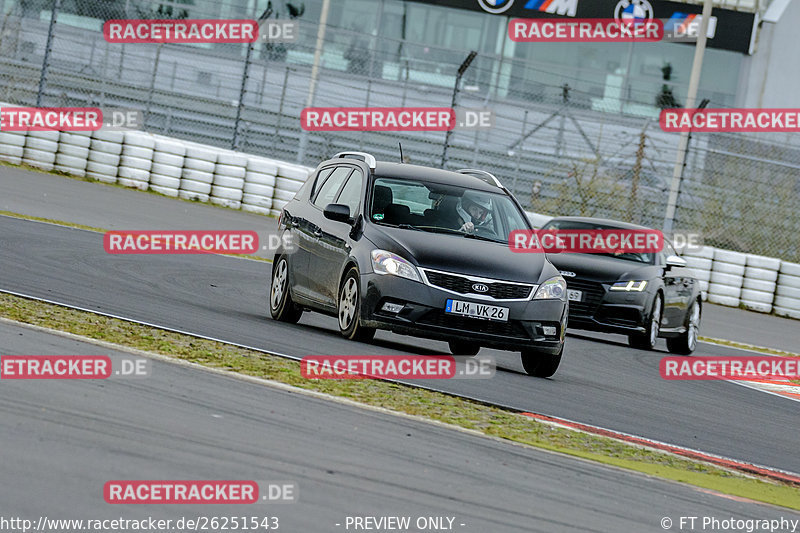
column 566, row 8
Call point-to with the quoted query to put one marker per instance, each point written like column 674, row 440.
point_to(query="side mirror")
column 338, row 212
column 673, row 261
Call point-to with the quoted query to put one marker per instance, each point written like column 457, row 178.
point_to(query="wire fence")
column 564, row 146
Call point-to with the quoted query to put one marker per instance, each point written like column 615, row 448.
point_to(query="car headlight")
column 552, row 289
column 629, row 286
column 384, row 262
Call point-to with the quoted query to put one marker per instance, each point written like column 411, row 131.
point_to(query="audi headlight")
column 552, row 289
column 629, row 286
column 384, row 262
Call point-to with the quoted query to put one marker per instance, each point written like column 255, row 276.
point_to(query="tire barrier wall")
column 256, row 184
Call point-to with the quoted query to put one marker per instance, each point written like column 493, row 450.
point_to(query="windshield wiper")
column 482, row 238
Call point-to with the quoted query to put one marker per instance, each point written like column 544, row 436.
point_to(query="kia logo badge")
column 568, row 274
column 480, row 287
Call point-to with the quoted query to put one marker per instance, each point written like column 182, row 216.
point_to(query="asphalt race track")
column 600, row 382
column 63, row 440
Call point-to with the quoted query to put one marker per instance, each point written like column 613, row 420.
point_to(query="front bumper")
column 609, row 311
column 423, row 315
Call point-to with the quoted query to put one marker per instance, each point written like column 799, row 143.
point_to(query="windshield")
column 439, row 208
column 647, row 258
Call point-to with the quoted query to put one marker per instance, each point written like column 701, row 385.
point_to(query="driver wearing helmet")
column 475, row 211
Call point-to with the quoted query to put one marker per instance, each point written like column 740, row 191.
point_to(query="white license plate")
column 474, row 310
column 574, row 296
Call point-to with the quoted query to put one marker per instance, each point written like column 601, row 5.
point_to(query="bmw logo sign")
column 633, row 10
column 496, row 6
column 480, row 287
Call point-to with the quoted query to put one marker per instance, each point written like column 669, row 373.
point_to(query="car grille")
column 510, row 329
column 593, row 294
column 463, row 285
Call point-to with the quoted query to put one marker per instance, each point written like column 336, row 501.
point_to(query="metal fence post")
column 47, row 49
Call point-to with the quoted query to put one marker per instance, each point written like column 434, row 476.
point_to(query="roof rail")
column 482, row 175
column 367, row 158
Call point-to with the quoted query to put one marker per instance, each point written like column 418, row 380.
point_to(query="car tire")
column 281, row 306
column 687, row 342
column 648, row 339
column 349, row 309
column 539, row 364
column 461, row 347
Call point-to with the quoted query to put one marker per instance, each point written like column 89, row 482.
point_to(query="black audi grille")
column 462, row 285
column 509, row 329
column 593, row 294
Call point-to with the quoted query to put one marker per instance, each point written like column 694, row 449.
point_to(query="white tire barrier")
column 759, row 285
column 720, row 289
column 197, row 175
column 760, row 274
column 42, row 159
column 294, row 172
column 138, row 152
column 731, row 280
column 104, row 158
column 262, row 165
column 12, row 146
column 163, row 181
column 790, row 269
column 789, row 292
column 164, row 158
column 723, row 300
column 703, row 289
column 760, row 261
column 201, row 152
column 728, row 256
column 259, row 190
column 260, row 179
column 226, row 193
column 165, row 145
column 705, row 252
column 195, row 187
column 166, row 170
column 139, row 139
column 106, row 147
column 728, row 268
column 785, row 280
column 48, row 135
column 229, row 182
column 256, row 209
column 785, row 311
column 274, row 212
column 283, row 196
column 224, row 202
column 698, row 263
column 202, row 165
column 71, row 165
column 43, row 145
column 787, row 303
column 756, row 296
column 102, row 172
column 255, row 200
column 166, row 191
column 286, row 184
column 110, row 136
column 234, row 159
column 230, row 171
column 194, row 196
column 135, row 162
